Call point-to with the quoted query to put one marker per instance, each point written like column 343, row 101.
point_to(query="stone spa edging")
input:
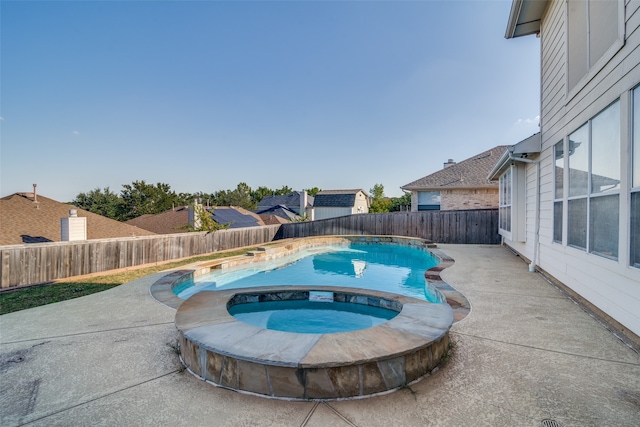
column 232, row 354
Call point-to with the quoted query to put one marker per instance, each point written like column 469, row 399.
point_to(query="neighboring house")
column 177, row 220
column 29, row 218
column 168, row 222
column 335, row 203
column 298, row 201
column 571, row 203
column 278, row 215
column 458, row 186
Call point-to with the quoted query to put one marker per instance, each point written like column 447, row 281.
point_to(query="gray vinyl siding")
column 611, row 285
column 329, row 212
column 531, row 207
column 553, row 64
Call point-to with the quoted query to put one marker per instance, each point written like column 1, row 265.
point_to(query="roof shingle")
column 469, row 173
column 336, row 198
column 24, row 221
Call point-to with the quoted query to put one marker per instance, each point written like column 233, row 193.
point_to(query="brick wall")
column 469, row 199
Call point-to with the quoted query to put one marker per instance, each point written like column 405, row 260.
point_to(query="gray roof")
column 469, row 173
column 281, row 211
column 291, row 201
column 336, row 198
column 287, row 200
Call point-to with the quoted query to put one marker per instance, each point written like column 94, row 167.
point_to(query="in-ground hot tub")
column 227, row 352
column 310, row 313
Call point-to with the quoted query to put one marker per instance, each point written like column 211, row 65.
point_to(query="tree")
column 241, row 197
column 301, row 218
column 379, row 203
column 313, row 191
column 185, row 199
column 141, row 198
column 203, row 219
column 102, row 202
column 402, row 203
column 283, row 191
column 260, row 193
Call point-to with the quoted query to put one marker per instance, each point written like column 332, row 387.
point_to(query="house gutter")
column 514, row 15
column 536, row 233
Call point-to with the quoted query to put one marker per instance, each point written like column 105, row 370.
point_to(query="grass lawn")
column 34, row 296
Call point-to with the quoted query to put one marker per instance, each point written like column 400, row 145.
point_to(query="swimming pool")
column 386, row 267
column 229, row 353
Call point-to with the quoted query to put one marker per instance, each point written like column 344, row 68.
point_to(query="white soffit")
column 525, row 17
column 531, row 145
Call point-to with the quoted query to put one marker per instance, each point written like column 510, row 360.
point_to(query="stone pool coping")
column 229, row 353
column 162, row 290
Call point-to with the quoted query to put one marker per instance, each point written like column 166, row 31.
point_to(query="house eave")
column 525, row 17
column 501, row 166
column 531, row 145
column 444, row 188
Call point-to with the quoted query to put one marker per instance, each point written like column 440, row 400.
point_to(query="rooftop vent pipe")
column 450, row 162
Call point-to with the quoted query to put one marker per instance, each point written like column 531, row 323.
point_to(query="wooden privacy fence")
column 44, row 262
column 461, row 227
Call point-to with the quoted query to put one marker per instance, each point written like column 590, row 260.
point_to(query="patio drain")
column 550, row 423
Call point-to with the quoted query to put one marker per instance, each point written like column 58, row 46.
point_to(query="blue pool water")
column 311, row 317
column 384, row 267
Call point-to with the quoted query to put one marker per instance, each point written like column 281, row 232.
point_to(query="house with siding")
column 458, row 186
column 570, row 203
column 335, row 203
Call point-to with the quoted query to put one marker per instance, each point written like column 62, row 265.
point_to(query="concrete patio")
column 525, row 354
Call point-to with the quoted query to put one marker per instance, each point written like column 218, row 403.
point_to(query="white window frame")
column 512, row 195
column 606, row 57
column 633, row 186
column 504, row 204
column 590, row 195
column 556, row 198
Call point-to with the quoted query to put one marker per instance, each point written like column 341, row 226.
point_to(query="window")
column 635, row 192
column 559, row 191
column 512, row 203
column 594, row 184
column 429, row 200
column 578, row 181
column 595, row 33
column 504, row 212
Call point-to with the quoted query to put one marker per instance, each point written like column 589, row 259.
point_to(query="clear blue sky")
column 203, row 95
